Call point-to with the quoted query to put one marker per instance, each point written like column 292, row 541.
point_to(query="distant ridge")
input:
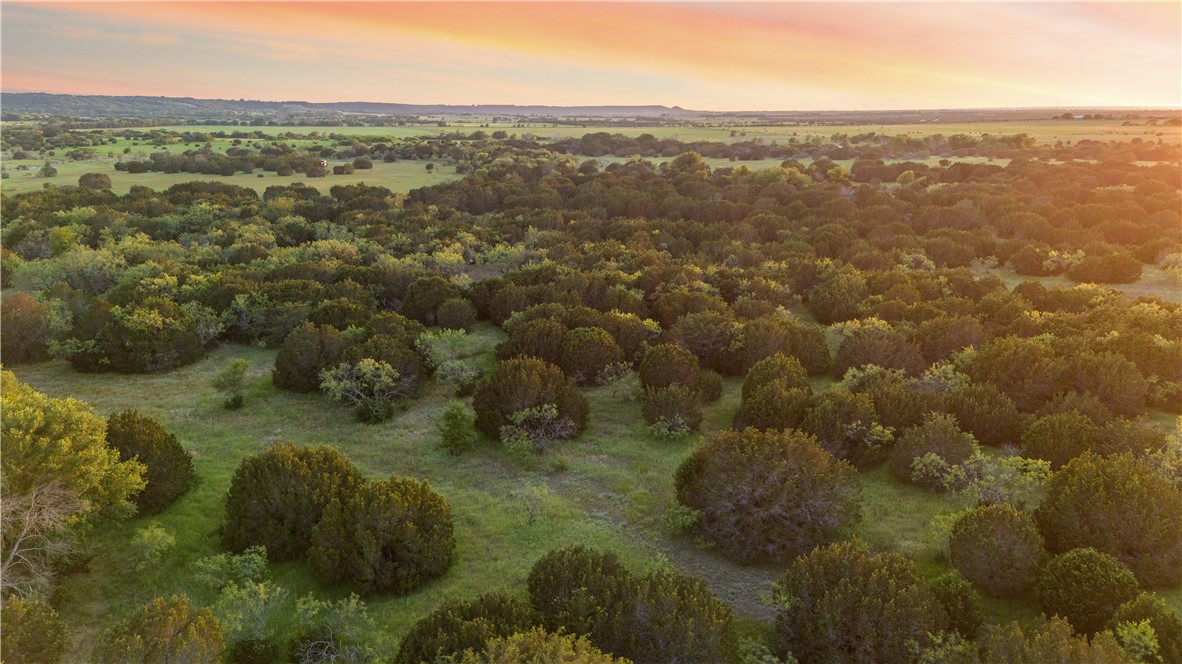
column 140, row 106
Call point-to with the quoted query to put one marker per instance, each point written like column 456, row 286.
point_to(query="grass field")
column 1154, row 282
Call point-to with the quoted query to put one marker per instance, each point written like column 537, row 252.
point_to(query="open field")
column 1154, row 282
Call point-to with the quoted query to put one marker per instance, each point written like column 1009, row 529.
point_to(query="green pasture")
column 1154, row 282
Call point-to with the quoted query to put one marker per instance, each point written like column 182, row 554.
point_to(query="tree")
column 1023, row 369
column 456, row 313
column 94, row 181
column 388, row 537
column 666, row 364
column 371, row 388
column 585, row 353
column 457, row 428
column 1119, row 505
column 47, row 171
column 846, row 425
column 1086, row 587
column 997, row 548
column 278, row 496
column 332, row 631
column 881, row 346
column 1059, row 438
column 939, row 436
column 671, row 411
column 522, row 383
column 56, row 472
column 229, row 381
column 168, row 467
column 1049, row 641
column 956, row 595
column 1167, row 628
column 537, row 646
column 540, row 338
column 306, row 352
column 24, row 329
column 842, row 603
column 676, row 618
column 709, row 335
column 988, row 414
column 33, row 632
column 774, row 406
column 794, row 494
column 425, row 295
column 163, row 631
column 455, row 627
column 583, row 591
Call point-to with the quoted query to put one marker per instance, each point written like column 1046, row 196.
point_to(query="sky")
column 697, row 55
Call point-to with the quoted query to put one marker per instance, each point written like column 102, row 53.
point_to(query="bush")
column 424, row 296
column 24, row 329
column 584, row 592
column 1059, row 438
column 985, row 412
column 33, row 632
column 371, row 388
column 938, row 436
column 956, row 595
column 521, row 383
column 540, row 338
column 163, row 631
column 1086, row 587
column 880, row 346
column 585, row 352
column 846, row 426
column 842, row 603
column 666, row 364
column 537, row 646
column 774, row 406
column 458, row 626
column 388, row 537
column 94, row 181
column 1120, row 505
column 456, row 313
column 677, row 618
column 457, row 428
column 795, row 495
column 229, row 381
column 305, row 352
column 1049, row 641
column 277, row 497
column 168, row 469
column 674, row 408
column 776, row 368
column 1165, row 623
column 709, row 386
column 998, row 549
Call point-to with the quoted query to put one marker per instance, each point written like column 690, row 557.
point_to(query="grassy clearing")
column 1154, row 282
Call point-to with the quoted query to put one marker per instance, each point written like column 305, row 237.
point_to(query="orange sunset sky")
column 710, row 56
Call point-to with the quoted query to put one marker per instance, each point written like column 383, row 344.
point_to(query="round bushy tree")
column 388, row 537
column 456, row 627
column 846, row 425
column 939, row 435
column 987, row 413
column 676, row 618
column 584, row 591
column 1049, row 641
column 1086, row 587
column 1165, row 623
column 455, row 313
column 526, row 382
column 794, row 494
column 666, row 364
column 1059, row 438
column 540, row 338
column 425, row 295
column 997, row 548
column 956, row 595
column 1119, row 505
column 842, row 603
column 777, row 368
column 536, row 646
column 305, row 352
column 278, row 496
column 33, row 632
column 880, row 346
column 774, row 406
column 168, row 468
column 24, row 329
column 676, row 408
column 163, row 631
column 585, row 352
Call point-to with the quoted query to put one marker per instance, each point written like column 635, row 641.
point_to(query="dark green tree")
column 1086, row 587
column 585, row 352
column 526, row 382
column 168, row 466
column 456, row 626
column 997, row 548
column 306, row 352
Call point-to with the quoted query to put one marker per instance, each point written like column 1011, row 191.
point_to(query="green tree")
column 370, row 387
column 666, row 364
column 585, row 353
column 388, row 537
column 1049, row 641
column 425, row 295
column 1120, row 505
column 523, row 383
column 456, row 313
column 774, row 406
column 843, row 604
column 1059, row 438
column 163, row 631
column 278, row 496
column 306, row 352
column 846, row 425
column 33, row 632
column 229, row 381
column 455, row 627
column 676, row 618
column 673, row 411
column 168, row 467
column 989, row 415
column 94, row 181
column 540, row 338
column 939, row 436
column 24, row 329
column 1086, row 587
column 457, row 428
column 537, row 646
column 583, row 591
column 795, row 495
column 997, row 548
column 956, row 595
column 1167, row 628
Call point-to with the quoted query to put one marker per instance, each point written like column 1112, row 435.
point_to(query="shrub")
column 229, row 381
column 94, row 181
column 1059, row 438
column 997, row 548
column 1086, row 587
column 778, row 368
column 1049, row 641
column 457, row 428
column 168, row 467
column 526, row 382
column 709, row 386
column 881, row 346
column 675, row 408
column 1120, row 505
column 424, row 296
column 305, row 352
column 24, row 329
column 795, row 495
column 388, row 537
column 536, row 646
column 666, row 364
column 540, row 338
column 332, row 631
column 458, row 626
column 985, row 412
column 842, row 603
column 939, row 436
column 33, row 632
column 390, row 350
column 774, row 406
column 163, row 631
column 845, row 424
column 584, row 592
column 778, row 334
column 676, row 618
column 1165, row 623
column 956, row 595
column 277, row 497
column 710, row 335
column 456, row 313
column 371, row 388
column 533, row 430
column 585, row 352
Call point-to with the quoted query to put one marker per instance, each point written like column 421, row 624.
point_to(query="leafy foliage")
column 33, row 632
column 455, row 627
column 997, row 548
column 1086, row 587
column 306, row 352
column 168, row 467
column 163, row 631
column 521, row 383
